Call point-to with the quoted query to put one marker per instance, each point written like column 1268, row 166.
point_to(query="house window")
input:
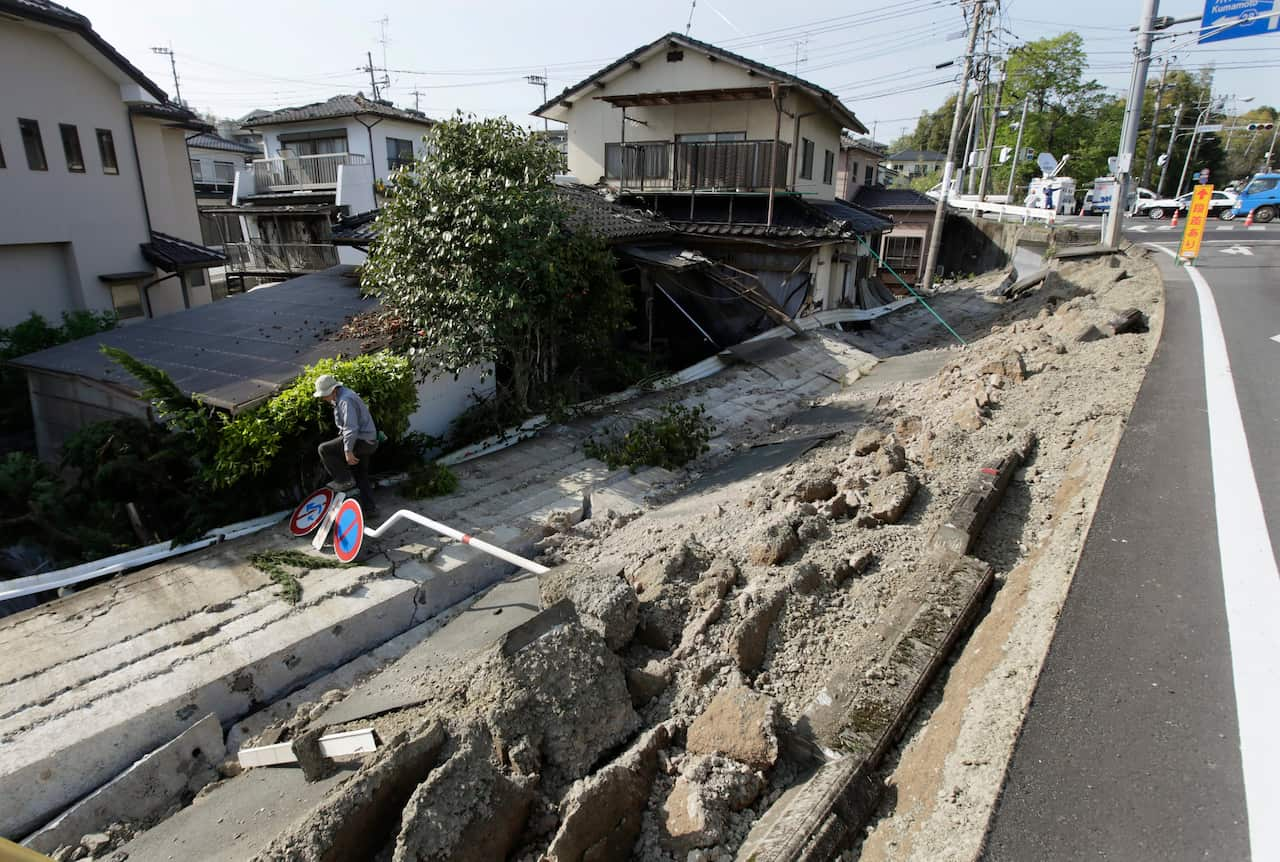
column 710, row 137
column 828, row 167
column 318, row 143
column 195, row 278
column 32, row 143
column 71, row 148
column 107, row 150
column 399, row 153
column 127, row 301
column 196, row 173
column 675, row 56
column 903, row 252
column 224, row 172
column 643, row 158
column 870, row 176
column 806, row 159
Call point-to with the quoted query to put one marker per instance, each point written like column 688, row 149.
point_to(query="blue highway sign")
column 1234, row 19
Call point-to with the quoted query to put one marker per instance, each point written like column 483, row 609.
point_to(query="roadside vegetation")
column 670, row 440
column 1069, row 113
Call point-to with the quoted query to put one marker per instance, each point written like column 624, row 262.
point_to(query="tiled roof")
column 210, row 141
column 587, row 211
column 338, row 106
column 847, row 117
column 917, row 156
column 794, row 218
column 880, row 198
column 179, row 115
column 867, row 144
column 590, row 212
column 57, row 15
column 171, row 253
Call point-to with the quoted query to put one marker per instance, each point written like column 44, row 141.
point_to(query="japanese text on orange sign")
column 1194, row 232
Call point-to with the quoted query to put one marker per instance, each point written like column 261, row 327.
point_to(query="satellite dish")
column 1048, row 163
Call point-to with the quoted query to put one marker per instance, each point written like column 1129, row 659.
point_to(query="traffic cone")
column 1248, row 220
column 1174, row 223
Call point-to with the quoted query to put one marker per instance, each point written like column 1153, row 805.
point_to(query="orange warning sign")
column 1194, row 232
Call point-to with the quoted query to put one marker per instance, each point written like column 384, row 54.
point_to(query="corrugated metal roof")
column 232, row 353
column 338, row 106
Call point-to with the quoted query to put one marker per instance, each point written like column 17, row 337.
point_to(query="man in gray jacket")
column 348, row 453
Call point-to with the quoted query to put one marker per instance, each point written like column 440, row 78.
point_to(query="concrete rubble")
column 715, row 670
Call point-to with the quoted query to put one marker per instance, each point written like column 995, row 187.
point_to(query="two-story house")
column 100, row 211
column 915, row 163
column 859, row 166
column 319, row 162
column 741, row 157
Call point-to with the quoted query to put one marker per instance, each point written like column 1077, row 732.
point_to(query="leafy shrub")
column 36, row 333
column 672, row 440
column 429, row 480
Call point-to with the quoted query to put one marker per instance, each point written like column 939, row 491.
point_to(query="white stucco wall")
column 207, row 157
column 441, row 401
column 357, row 137
column 99, row 217
column 593, row 122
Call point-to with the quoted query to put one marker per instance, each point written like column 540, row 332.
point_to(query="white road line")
column 1251, row 585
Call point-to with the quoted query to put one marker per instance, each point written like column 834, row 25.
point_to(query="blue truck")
column 1260, row 197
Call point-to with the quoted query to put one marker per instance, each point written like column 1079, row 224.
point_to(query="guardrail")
column 1025, row 214
column 279, row 258
column 301, row 172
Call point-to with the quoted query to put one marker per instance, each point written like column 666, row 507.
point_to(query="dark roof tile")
column 172, row 254
column 880, row 198
column 210, row 141
column 338, row 106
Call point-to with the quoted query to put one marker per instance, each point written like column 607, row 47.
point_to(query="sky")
column 474, row 55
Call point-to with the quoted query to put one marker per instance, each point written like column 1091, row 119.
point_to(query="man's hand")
column 352, row 459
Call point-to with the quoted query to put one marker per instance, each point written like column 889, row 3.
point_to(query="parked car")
column 1097, row 200
column 1222, row 205
column 1260, row 197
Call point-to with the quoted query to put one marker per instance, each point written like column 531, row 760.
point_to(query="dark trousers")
column 334, row 458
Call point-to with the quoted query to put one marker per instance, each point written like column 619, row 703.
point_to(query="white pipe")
column 12, row 589
column 405, row 514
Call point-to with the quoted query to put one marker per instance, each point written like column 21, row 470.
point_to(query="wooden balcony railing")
column 260, row 258
column 686, row 165
column 301, row 172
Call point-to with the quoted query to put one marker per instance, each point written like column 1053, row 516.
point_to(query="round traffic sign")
column 310, row 512
column 348, row 531
column 1204, row 176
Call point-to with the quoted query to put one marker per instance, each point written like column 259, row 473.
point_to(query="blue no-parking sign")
column 348, row 531
column 1233, row 19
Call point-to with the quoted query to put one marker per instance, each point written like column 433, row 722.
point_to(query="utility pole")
column 948, row 167
column 1191, row 149
column 1155, row 128
column 984, row 95
column 541, row 81
column 970, row 142
column 1017, row 152
column 991, row 136
column 1168, row 156
column 1133, row 118
column 173, row 65
column 373, row 82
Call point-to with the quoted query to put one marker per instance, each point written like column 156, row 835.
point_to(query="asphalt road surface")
column 1153, row 731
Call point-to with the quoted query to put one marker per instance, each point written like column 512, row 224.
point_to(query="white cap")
column 325, row 384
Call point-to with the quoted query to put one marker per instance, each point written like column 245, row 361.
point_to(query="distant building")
column 859, row 166
column 321, row 161
column 915, row 163
column 100, row 210
column 902, row 248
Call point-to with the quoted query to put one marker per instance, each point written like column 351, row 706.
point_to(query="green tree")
column 471, row 253
column 932, row 131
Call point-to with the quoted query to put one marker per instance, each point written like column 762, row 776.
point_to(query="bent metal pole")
column 478, row 544
column 948, row 168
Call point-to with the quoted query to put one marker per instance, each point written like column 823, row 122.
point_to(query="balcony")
column 258, row 258
column 697, row 166
column 298, row 173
